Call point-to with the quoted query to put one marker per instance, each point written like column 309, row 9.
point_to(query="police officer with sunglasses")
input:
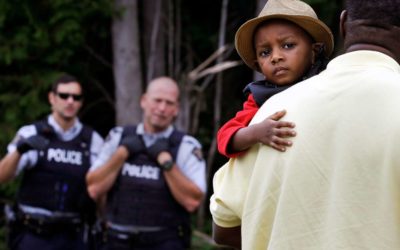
column 52, row 209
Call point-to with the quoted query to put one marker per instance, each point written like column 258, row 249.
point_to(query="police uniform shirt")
column 189, row 158
column 30, row 158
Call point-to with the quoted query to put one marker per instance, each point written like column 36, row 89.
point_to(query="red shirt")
column 241, row 120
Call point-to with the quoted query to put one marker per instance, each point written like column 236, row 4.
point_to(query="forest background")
column 114, row 48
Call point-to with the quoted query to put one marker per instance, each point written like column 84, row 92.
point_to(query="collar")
column 364, row 58
column 68, row 134
column 263, row 90
column 150, row 138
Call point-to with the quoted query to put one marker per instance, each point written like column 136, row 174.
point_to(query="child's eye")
column 265, row 52
column 288, row 45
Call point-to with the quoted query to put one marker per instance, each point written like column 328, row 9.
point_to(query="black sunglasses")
column 65, row 96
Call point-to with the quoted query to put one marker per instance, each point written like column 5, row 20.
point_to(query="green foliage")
column 38, row 40
column 326, row 10
column 22, row 99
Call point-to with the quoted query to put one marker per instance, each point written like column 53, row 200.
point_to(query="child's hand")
column 274, row 133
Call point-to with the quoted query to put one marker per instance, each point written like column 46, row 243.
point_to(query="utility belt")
column 44, row 224
column 139, row 236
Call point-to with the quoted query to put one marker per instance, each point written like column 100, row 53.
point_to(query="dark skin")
column 224, row 236
column 361, row 35
column 357, row 36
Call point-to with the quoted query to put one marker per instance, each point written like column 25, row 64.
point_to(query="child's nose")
column 276, row 56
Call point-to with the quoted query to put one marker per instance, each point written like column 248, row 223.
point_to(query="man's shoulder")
column 190, row 140
column 117, row 129
column 185, row 138
column 27, row 130
column 114, row 134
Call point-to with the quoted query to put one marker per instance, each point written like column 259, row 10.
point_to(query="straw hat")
column 295, row 11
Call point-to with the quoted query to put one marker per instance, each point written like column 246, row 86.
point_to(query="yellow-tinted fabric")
column 338, row 186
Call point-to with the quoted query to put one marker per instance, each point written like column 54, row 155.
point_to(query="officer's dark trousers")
column 27, row 240
column 165, row 240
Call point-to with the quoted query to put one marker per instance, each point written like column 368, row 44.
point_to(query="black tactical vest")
column 57, row 181
column 141, row 196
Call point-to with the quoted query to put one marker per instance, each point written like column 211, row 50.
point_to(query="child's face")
column 284, row 51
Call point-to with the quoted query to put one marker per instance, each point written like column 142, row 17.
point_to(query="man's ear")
column 51, row 97
column 143, row 101
column 176, row 110
column 343, row 19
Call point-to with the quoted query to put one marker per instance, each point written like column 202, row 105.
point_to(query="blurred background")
column 114, row 47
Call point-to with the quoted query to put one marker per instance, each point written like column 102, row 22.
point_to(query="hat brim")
column 244, row 36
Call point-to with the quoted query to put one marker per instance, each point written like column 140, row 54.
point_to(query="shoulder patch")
column 113, row 132
column 108, row 138
column 117, row 129
column 198, row 153
column 191, row 140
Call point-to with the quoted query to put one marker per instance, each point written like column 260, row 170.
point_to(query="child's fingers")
column 281, row 142
column 281, row 124
column 284, row 132
column 277, row 115
column 279, row 147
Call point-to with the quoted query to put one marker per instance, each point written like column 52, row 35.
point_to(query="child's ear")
column 317, row 49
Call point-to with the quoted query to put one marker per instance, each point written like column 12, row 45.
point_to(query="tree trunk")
column 174, row 51
column 178, row 39
column 127, row 63
column 154, row 38
column 217, row 109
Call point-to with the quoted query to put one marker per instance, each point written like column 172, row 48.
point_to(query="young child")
column 286, row 45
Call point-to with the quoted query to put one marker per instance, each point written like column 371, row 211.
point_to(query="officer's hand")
column 133, row 143
column 37, row 142
column 161, row 145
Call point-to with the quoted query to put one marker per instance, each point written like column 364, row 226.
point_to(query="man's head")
column 382, row 11
column 294, row 11
column 372, row 25
column 66, row 97
column 160, row 104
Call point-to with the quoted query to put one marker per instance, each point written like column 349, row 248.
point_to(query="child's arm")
column 241, row 120
column 271, row 132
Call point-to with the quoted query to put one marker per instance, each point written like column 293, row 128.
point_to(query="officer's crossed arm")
column 183, row 189
column 9, row 164
column 100, row 180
